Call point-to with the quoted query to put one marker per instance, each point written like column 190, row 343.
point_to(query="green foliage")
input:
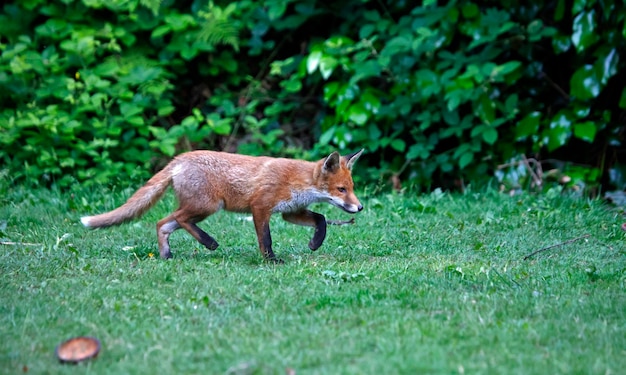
column 443, row 88
column 92, row 99
column 95, row 90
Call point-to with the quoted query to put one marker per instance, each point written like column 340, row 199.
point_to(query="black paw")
column 315, row 244
column 212, row 245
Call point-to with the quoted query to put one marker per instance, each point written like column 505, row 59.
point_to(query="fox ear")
column 332, row 162
column 352, row 158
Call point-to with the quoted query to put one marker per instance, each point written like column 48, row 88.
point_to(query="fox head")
column 336, row 180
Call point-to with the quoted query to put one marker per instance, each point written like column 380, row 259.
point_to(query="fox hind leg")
column 200, row 235
column 165, row 227
column 310, row 219
column 188, row 223
column 178, row 220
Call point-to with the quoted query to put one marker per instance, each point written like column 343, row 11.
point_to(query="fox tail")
column 136, row 205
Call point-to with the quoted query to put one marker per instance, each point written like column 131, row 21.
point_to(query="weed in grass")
column 419, row 284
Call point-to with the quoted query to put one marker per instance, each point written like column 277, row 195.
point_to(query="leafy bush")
column 456, row 89
column 75, row 104
column 101, row 90
column 90, row 87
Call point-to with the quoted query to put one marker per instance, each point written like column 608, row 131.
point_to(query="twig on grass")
column 340, row 222
column 11, row 243
column 558, row 244
column 503, row 278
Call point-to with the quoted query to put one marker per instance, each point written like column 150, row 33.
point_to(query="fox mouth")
column 348, row 207
column 351, row 208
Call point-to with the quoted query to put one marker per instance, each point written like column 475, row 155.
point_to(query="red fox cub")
column 206, row 181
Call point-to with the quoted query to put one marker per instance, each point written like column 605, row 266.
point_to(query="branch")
column 340, row 222
column 533, row 174
column 11, row 243
column 558, row 244
column 554, row 85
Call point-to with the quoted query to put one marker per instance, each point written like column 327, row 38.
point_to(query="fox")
column 205, row 182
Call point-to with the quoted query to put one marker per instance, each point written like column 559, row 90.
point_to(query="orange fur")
column 206, row 181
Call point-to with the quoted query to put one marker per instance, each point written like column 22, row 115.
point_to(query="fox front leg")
column 262, row 226
column 310, row 219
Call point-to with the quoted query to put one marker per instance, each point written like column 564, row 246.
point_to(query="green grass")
column 420, row 284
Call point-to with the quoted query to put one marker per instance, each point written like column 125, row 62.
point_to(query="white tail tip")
column 85, row 220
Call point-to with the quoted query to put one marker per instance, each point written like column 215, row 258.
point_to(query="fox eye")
column 341, row 189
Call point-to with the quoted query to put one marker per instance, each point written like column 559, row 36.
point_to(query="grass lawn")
column 419, row 284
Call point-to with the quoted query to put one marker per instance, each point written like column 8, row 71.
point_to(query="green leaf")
column 160, row 31
column 370, row 101
column 189, row 121
column 466, row 159
column 251, row 120
column 327, row 135
column 559, row 132
column 129, row 110
column 109, row 67
column 373, row 132
column 529, row 125
column 313, row 61
column 578, row 5
column 535, row 27
column 477, row 130
column 135, row 120
column 366, row 30
column 427, row 83
column 585, row 83
column 222, row 127
column 417, row 151
column 561, row 43
column 485, row 108
column 454, row 100
column 607, row 66
column 560, row 10
column 358, row 114
column 584, row 35
column 327, row 65
column 179, row 22
column 330, row 89
column 490, row 135
column 398, row 45
column 398, row 145
column 338, row 42
column 510, row 105
column 54, row 28
column 141, row 75
column 188, row 52
column 291, row 85
column 470, row 10
column 165, row 111
column 451, row 117
column 585, row 131
column 167, row 148
column 504, row 69
column 370, row 68
column 276, row 9
column 347, row 93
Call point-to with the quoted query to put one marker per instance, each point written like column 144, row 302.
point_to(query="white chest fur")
column 301, row 199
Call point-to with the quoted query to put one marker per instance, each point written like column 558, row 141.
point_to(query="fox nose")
column 360, row 207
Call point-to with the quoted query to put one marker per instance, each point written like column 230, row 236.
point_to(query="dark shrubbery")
column 95, row 91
